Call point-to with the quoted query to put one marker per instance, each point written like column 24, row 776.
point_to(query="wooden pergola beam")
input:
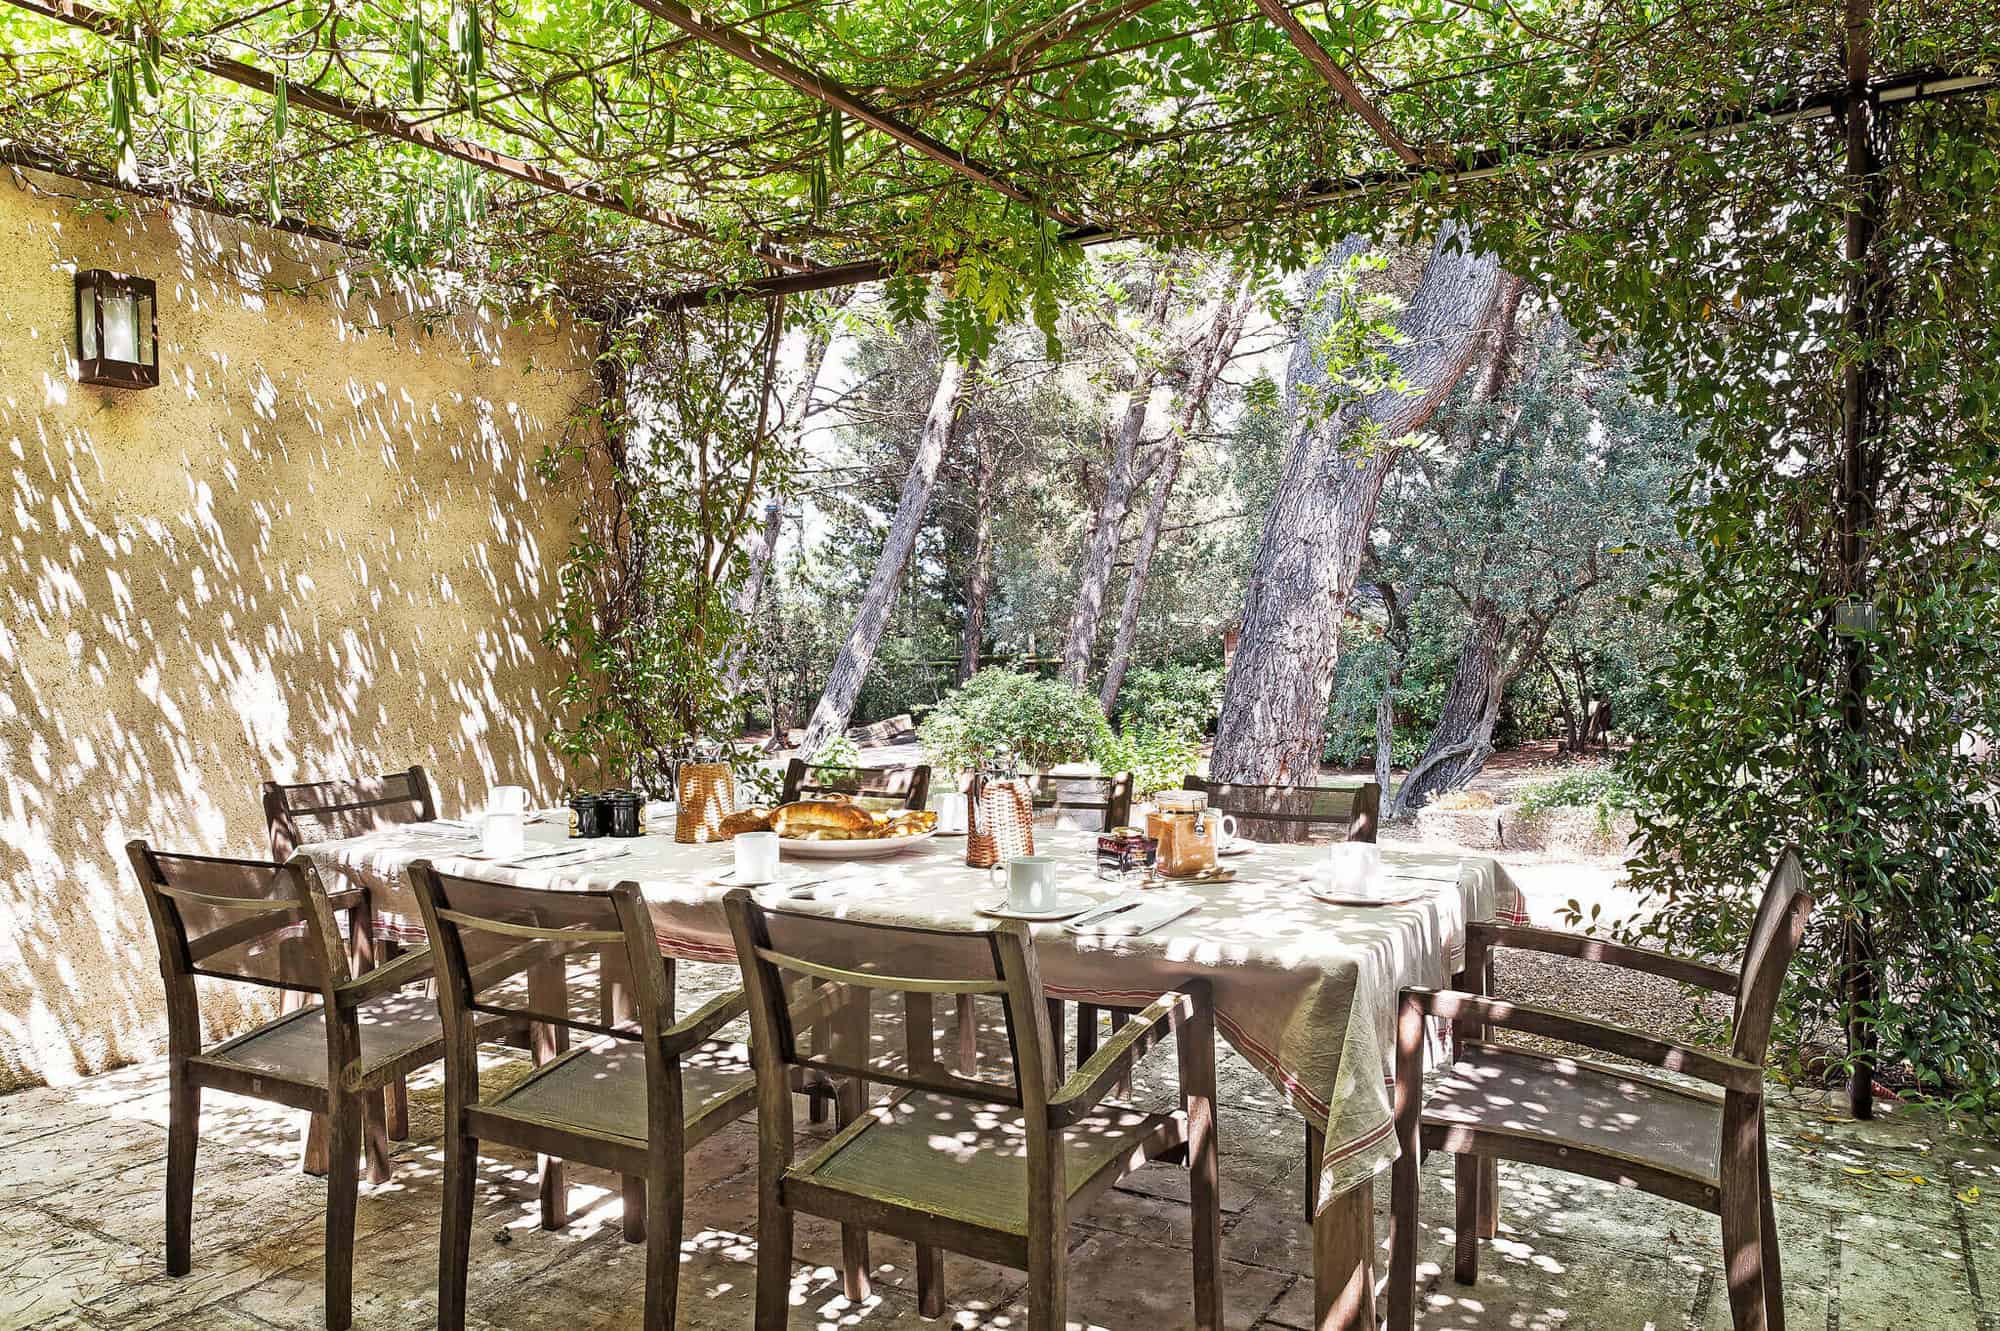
column 1630, row 135
column 1329, row 69
column 378, row 120
column 832, row 92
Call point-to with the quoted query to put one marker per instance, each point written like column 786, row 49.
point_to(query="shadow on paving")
column 1893, row 1224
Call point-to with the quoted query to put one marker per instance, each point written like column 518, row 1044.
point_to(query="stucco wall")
column 318, row 547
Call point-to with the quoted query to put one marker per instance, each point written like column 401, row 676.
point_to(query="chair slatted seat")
column 990, row 1159
column 635, row 1093
column 273, row 925
column 1701, row 1145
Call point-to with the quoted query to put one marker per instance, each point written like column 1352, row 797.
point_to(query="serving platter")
column 872, row 848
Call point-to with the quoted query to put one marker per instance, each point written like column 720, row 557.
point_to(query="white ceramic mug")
column 1354, row 868
column 951, row 812
column 502, row 835
column 1031, row 883
column 756, row 858
column 1225, row 830
column 507, row 799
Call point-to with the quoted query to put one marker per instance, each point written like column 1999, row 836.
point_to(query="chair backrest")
column 1108, row 797
column 314, row 811
column 538, row 954
column 1775, row 934
column 859, row 970
column 1345, row 812
column 229, row 919
column 911, row 785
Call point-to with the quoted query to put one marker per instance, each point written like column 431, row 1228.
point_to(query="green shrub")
column 1012, row 719
column 1603, row 789
column 839, row 757
column 1158, row 757
column 1180, row 698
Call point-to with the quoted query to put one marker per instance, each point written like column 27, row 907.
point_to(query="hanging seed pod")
column 418, row 58
column 836, row 143
column 281, row 106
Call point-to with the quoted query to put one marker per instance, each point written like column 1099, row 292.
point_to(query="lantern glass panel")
column 142, row 329
column 86, row 318
column 121, row 325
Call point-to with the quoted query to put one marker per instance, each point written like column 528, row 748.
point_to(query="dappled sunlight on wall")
column 319, row 547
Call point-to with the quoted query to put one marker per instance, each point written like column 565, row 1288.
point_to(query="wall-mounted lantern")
column 117, row 335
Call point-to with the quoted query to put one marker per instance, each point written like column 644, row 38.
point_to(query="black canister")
column 586, row 815
column 624, row 813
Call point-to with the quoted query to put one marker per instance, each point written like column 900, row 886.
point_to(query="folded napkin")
column 1141, row 916
column 563, row 856
column 455, row 829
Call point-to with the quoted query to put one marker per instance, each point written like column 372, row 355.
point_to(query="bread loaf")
column 748, row 820
column 822, row 820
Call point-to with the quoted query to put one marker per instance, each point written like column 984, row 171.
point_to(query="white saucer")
column 1068, row 904
column 1237, row 847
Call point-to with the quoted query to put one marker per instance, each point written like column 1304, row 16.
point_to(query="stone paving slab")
column 1893, row 1224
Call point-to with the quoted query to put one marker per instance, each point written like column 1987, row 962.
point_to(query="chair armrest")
column 1554, row 941
column 1089, row 1084
column 407, row 969
column 700, row 1028
column 1717, row 1069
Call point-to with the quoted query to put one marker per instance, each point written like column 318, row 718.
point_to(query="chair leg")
column 1489, row 1197
column 1315, row 1153
column 968, row 1037
column 375, row 1138
column 1468, row 1174
column 1057, row 1023
column 1405, row 1203
column 183, row 1132
column 461, row 1178
column 1774, row 1280
column 342, row 1183
column 850, row 1102
column 635, row 1208
column 1742, row 1254
column 1086, row 1032
column 663, row 1246
column 1048, row 1280
column 774, row 1261
column 396, row 1109
column 930, row 1281
column 1194, row 1047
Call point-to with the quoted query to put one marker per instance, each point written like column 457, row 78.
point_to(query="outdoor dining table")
column 1304, row 990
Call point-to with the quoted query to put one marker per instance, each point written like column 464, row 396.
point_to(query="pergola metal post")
column 1860, row 401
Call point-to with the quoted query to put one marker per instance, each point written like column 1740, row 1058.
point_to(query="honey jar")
column 1184, row 827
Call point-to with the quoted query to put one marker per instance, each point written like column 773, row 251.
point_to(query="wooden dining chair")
column 991, row 1162
column 1295, row 814
column 273, row 925
column 1087, row 803
column 911, row 785
column 306, row 813
column 1687, row 1143
column 631, row 1097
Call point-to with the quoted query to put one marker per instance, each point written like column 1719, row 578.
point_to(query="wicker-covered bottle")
column 707, row 795
column 1001, row 821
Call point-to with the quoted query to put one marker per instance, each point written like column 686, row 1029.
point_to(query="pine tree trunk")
column 1216, row 352
column 1121, row 436
column 1274, row 703
column 843, row 684
column 765, row 548
column 979, row 582
column 1464, row 734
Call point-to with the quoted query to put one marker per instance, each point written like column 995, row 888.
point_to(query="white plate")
column 1236, row 847
column 1391, row 897
column 871, row 849
column 1068, row 905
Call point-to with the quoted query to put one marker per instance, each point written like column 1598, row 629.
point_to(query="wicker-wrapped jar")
column 706, row 794
column 1001, row 822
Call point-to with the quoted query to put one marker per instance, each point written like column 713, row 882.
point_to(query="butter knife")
column 1105, row 912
